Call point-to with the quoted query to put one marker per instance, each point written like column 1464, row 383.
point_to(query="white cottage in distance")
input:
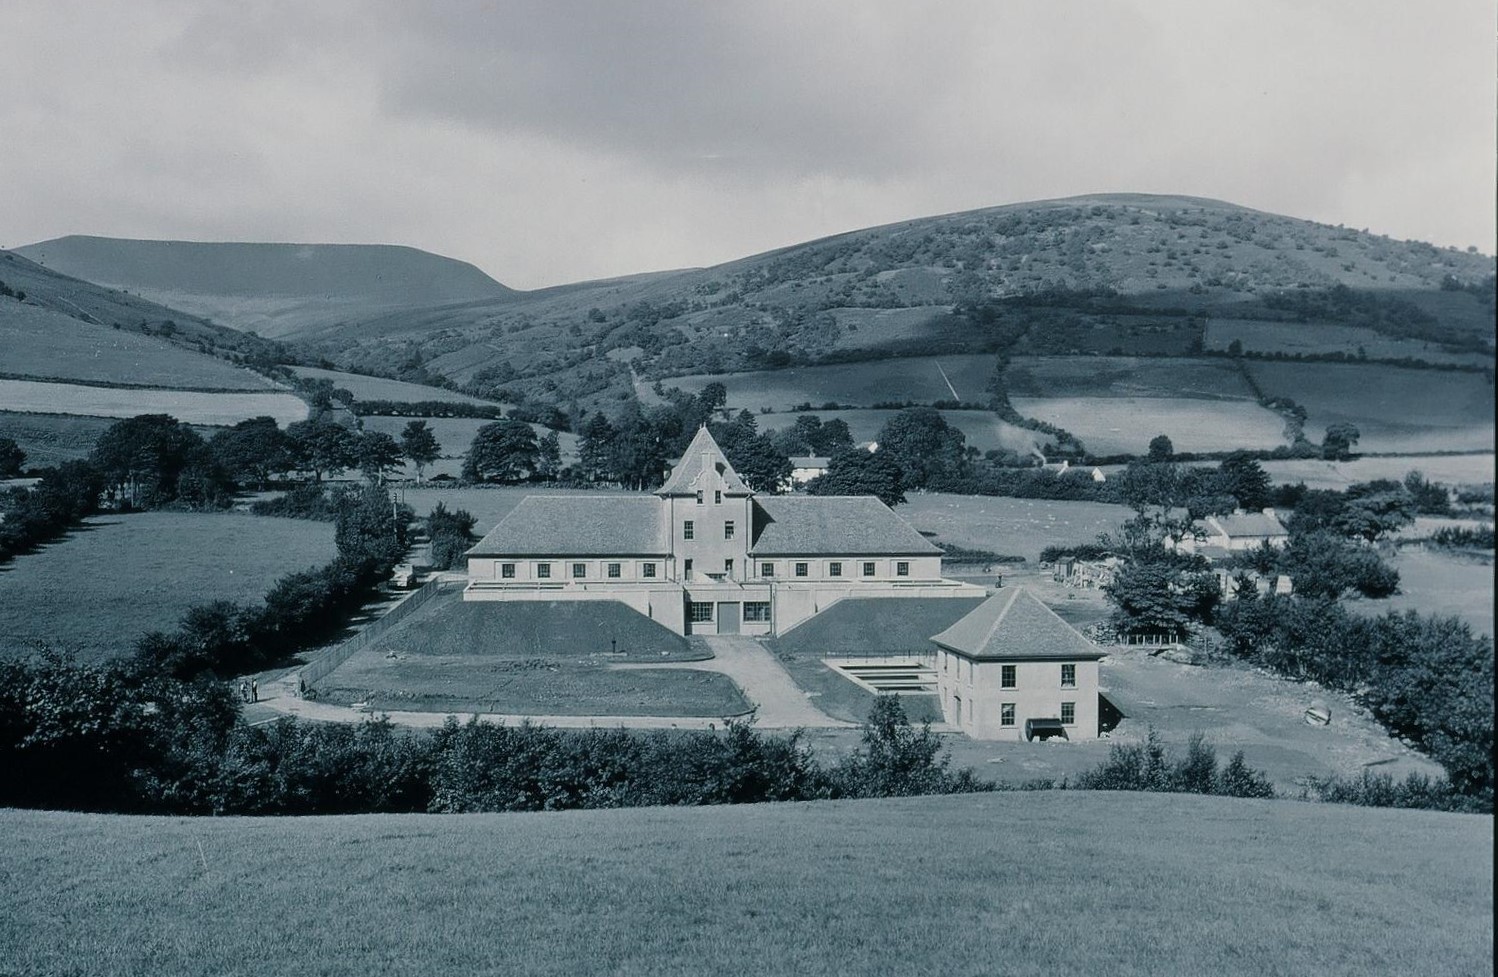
column 704, row 554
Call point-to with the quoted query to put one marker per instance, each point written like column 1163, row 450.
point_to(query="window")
column 728, row 566
column 834, row 569
column 868, row 569
column 1006, row 714
column 757, row 611
column 800, row 569
column 543, row 571
column 702, row 611
column 507, row 570
column 717, row 497
column 902, row 569
column 686, row 568
column 1007, row 677
column 1068, row 713
column 647, row 570
column 699, row 496
column 615, row 571
column 688, row 530
column 728, row 529
column 767, row 569
column 1068, row 676
column 579, row 571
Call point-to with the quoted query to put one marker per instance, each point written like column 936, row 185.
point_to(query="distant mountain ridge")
column 274, row 289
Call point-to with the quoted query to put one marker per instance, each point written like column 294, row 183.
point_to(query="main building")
column 704, row 554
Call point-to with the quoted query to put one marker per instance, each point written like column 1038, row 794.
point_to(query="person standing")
column 254, row 690
column 244, row 691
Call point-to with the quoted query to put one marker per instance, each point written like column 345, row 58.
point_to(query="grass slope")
column 188, row 406
column 1019, row 884
column 104, row 585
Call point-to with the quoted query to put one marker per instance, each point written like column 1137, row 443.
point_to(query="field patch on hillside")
column 531, row 658
column 379, row 388
column 1125, row 376
column 455, row 436
column 45, row 344
column 1324, row 337
column 982, row 429
column 1435, row 582
column 187, row 406
column 1396, row 409
column 1012, row 527
column 907, row 378
column 1125, row 884
column 1125, row 425
column 1446, row 469
column 119, row 576
column 50, row 439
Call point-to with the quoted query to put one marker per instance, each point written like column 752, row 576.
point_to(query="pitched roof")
column 789, row 525
column 810, row 461
column 703, row 452
column 1249, row 524
column 1014, row 624
column 554, row 525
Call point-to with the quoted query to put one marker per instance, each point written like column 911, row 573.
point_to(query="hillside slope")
column 273, row 289
column 1127, row 273
column 1023, row 884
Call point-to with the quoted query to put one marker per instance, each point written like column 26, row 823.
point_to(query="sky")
column 557, row 141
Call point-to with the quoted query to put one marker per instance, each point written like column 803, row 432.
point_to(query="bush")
column 1148, row 766
column 1382, row 790
column 302, row 502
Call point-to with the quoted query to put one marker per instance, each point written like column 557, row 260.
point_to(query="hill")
column 272, row 289
column 1126, row 274
column 1024, row 884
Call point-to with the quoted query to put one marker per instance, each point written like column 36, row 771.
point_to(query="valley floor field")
column 50, row 439
column 1473, row 469
column 1011, row 527
column 118, row 576
column 189, row 407
column 379, row 388
column 1016, row 883
column 1433, row 581
column 982, row 429
column 455, row 436
column 922, row 379
column 1126, row 425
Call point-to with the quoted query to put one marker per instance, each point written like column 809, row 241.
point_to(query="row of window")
column 689, row 529
column 1006, row 714
column 1009, row 674
column 717, row 499
column 835, row 569
column 613, row 571
column 755, row 611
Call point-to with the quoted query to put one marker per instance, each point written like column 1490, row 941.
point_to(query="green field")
column 1125, row 425
column 45, row 344
column 105, row 584
column 455, row 435
column 539, row 659
column 378, row 388
column 187, row 406
column 49, row 439
column 1396, row 409
column 1017, row 527
column 981, row 428
column 1019, row 884
column 908, row 378
column 1297, row 337
column 1126, row 376
column 1436, row 582
column 1446, row 469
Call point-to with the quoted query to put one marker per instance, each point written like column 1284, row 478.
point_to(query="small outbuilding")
column 1012, row 662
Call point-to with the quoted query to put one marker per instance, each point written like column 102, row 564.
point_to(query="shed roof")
column 810, row 461
column 1251, row 525
column 1014, row 625
column 555, row 525
column 703, row 453
column 789, row 525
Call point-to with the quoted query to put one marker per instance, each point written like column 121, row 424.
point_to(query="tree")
column 1372, row 510
column 12, row 458
column 322, row 447
column 594, row 447
column 549, row 455
column 253, row 450
column 858, row 472
column 419, row 444
column 1339, row 441
column 377, row 454
column 1161, row 448
column 451, row 534
column 929, row 451
column 712, row 397
column 1245, row 480
column 1146, row 484
column 1159, row 596
column 504, row 451
column 156, row 459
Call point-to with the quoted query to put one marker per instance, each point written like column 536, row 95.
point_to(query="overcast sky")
column 555, row 141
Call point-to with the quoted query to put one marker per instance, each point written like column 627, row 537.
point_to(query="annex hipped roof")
column 555, row 525
column 1014, row 624
column 789, row 525
column 1250, row 525
column 686, row 477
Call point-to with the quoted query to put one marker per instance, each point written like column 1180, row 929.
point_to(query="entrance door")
column 728, row 618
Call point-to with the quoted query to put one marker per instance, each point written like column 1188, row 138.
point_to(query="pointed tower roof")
column 1015, row 625
column 702, row 455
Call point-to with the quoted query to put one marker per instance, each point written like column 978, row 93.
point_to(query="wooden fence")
column 318, row 669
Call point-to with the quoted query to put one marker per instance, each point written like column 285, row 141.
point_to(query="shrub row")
column 30, row 517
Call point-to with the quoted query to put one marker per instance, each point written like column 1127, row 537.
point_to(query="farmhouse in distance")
column 704, row 554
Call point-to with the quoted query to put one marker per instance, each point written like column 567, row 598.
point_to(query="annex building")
column 705, row 554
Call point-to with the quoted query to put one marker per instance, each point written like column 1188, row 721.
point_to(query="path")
column 780, row 702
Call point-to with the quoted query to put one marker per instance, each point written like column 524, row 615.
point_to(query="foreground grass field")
column 102, row 586
column 1018, row 884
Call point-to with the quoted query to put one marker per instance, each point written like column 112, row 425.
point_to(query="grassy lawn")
column 1119, row 425
column 1432, row 581
column 531, row 659
column 1017, row 527
column 1019, row 884
column 186, row 406
column 1395, row 409
column 102, row 586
